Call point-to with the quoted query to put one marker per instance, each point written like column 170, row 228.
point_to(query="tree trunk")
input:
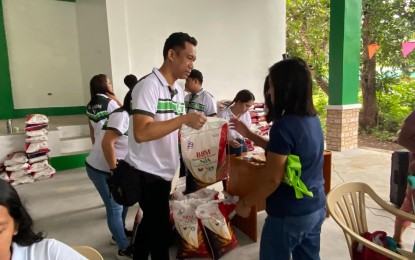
column 369, row 113
column 311, row 53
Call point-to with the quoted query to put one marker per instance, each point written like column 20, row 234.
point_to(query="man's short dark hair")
column 130, row 81
column 176, row 41
column 195, row 74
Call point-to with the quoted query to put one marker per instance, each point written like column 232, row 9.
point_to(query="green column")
column 6, row 104
column 345, row 34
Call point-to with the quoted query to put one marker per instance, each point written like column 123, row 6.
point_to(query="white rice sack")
column 215, row 219
column 44, row 174
column 192, row 242
column 15, row 158
column 204, row 151
column 17, row 167
column 24, row 179
column 34, row 147
column 38, row 159
column 18, row 174
column 40, row 132
column 35, row 119
column 200, row 194
column 37, row 139
column 4, row 176
column 36, row 167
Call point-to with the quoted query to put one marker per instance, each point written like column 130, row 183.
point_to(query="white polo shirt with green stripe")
column 152, row 97
column 202, row 102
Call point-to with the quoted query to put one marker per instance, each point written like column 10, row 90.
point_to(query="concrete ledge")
column 343, row 107
column 68, row 162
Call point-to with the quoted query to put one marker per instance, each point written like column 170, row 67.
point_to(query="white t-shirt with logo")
column 227, row 114
column 47, row 249
column 152, row 97
column 118, row 121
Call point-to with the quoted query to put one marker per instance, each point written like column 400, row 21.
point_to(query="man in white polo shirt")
column 157, row 115
column 198, row 100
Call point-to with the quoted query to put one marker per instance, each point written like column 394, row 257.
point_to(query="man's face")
column 191, row 85
column 183, row 61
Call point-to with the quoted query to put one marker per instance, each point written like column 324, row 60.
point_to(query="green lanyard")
column 192, row 97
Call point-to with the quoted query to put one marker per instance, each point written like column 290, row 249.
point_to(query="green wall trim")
column 68, row 162
column 48, row 111
column 344, row 57
column 6, row 104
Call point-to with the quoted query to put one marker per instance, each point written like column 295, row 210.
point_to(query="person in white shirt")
column 157, row 115
column 102, row 103
column 18, row 241
column 239, row 107
column 198, row 100
column 112, row 145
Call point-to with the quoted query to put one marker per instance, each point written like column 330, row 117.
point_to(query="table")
column 242, row 179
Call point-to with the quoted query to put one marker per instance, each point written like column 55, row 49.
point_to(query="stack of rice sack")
column 204, row 153
column 16, row 169
column 203, row 223
column 259, row 124
column 37, row 147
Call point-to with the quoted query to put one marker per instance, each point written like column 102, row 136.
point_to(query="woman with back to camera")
column 102, row 103
column 239, row 107
column 18, row 241
column 293, row 225
column 110, row 145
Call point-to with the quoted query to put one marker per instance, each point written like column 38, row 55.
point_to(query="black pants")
column 155, row 231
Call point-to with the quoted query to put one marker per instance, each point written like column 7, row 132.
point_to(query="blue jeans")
column 116, row 213
column 298, row 236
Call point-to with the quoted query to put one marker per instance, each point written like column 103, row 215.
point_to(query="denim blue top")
column 301, row 136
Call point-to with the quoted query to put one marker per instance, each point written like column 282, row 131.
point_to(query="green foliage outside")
column 387, row 23
column 320, row 100
column 395, row 103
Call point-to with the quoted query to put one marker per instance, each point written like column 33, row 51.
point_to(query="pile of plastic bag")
column 32, row 163
column 37, row 147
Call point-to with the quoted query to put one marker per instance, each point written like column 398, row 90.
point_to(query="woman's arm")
column 266, row 184
column 110, row 137
column 91, row 132
column 244, row 130
column 113, row 97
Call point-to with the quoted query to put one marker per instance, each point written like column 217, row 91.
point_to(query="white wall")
column 57, row 46
column 42, row 41
column 93, row 41
column 119, row 48
column 238, row 39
